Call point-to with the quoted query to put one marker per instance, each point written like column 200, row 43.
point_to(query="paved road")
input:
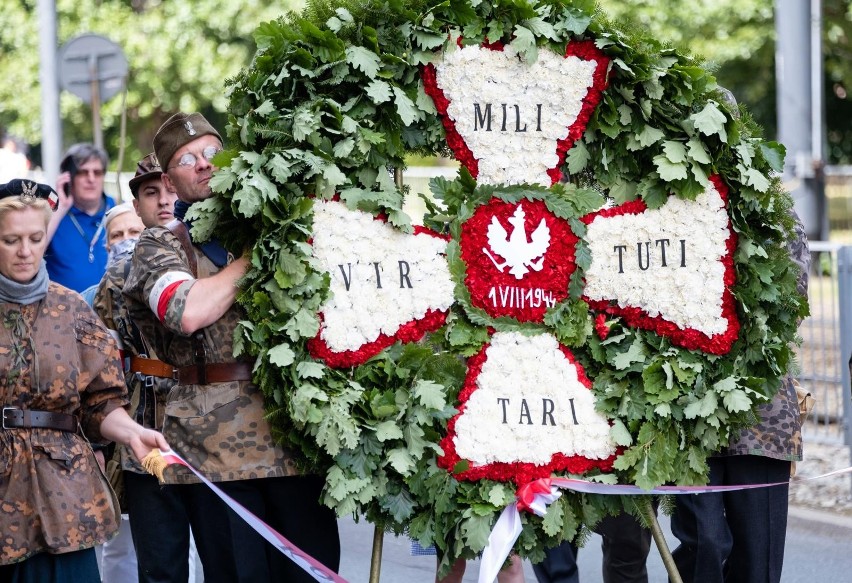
column 819, row 549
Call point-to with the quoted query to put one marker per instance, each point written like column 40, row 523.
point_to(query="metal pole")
column 793, row 65
column 816, row 80
column 844, row 293
column 817, row 117
column 95, row 84
column 51, row 127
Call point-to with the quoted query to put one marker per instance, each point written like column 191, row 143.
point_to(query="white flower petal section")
column 529, row 405
column 381, row 278
column 512, row 114
column 666, row 261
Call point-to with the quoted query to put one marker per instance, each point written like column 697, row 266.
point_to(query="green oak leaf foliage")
column 332, row 104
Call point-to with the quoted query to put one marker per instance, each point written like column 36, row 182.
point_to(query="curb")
column 821, row 516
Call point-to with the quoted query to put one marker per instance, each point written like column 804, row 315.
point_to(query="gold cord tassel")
column 154, row 463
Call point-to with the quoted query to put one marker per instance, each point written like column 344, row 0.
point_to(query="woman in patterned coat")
column 61, row 386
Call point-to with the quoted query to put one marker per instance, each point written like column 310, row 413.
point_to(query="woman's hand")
column 145, row 441
column 119, row 427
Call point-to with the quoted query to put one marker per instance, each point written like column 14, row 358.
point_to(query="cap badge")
column 189, row 128
column 28, row 193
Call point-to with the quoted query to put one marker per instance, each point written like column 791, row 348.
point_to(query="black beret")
column 28, row 189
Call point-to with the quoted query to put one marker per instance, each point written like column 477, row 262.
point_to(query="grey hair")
column 83, row 152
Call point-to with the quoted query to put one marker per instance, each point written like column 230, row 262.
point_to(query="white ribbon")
column 508, row 527
column 506, row 531
column 313, row 567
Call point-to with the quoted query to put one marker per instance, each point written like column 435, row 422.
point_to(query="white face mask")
column 121, row 250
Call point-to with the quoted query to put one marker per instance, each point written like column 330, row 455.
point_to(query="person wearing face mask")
column 62, row 389
column 76, row 255
column 116, row 558
column 122, row 227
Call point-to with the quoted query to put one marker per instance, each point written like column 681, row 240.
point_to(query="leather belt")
column 14, row 418
column 151, row 367
column 223, row 372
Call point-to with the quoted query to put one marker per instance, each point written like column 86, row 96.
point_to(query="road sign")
column 92, row 67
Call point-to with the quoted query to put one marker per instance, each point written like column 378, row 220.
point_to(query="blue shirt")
column 69, row 251
column 89, row 294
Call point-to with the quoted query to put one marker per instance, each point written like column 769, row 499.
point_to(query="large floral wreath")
column 638, row 156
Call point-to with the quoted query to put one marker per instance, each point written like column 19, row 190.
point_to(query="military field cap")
column 146, row 169
column 29, row 190
column 178, row 130
column 119, row 209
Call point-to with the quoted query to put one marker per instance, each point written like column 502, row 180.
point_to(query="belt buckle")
column 3, row 423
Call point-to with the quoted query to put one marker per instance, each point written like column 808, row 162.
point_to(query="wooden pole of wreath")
column 378, row 532
column 647, row 508
column 376, row 558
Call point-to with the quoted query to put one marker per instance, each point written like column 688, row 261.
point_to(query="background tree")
column 737, row 39
column 179, row 55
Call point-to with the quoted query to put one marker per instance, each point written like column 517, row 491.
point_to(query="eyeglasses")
column 98, row 173
column 190, row 159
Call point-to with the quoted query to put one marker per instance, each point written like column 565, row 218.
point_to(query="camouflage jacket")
column 779, row 433
column 220, row 428
column 147, row 393
column 54, row 496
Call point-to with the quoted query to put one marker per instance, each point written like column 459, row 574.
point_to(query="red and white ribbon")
column 536, row 496
column 313, row 567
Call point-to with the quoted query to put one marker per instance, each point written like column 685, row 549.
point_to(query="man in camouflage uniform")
column 738, row 537
column 158, row 518
column 182, row 296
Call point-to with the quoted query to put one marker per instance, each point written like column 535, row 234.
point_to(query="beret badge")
column 28, row 191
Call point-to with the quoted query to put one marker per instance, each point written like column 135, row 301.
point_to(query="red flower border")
column 519, row 472
column 554, row 277
column 587, row 51
column 411, row 331
column 583, row 49
column 689, row 338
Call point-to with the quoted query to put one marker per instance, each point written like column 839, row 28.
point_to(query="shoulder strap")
column 179, row 230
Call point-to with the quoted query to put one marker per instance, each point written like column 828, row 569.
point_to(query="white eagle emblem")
column 520, row 255
column 28, row 191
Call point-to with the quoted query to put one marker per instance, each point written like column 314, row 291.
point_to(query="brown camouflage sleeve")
column 101, row 372
column 103, row 302
column 158, row 261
